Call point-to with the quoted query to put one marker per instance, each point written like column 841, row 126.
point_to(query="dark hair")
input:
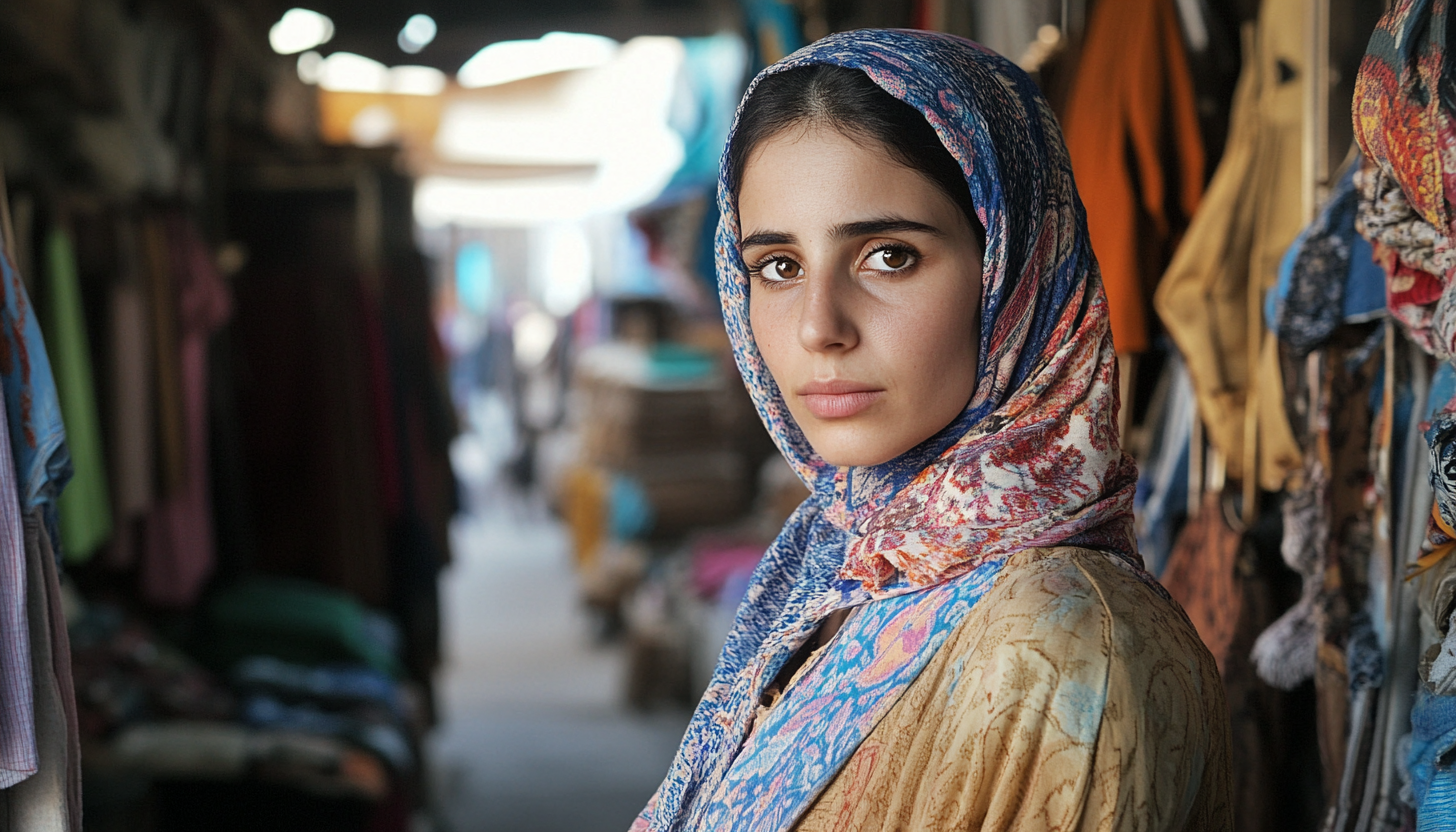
column 847, row 100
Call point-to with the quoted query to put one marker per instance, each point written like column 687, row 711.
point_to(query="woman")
column 954, row 631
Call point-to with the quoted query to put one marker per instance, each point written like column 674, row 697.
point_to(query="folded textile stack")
column 667, row 417
column 304, row 697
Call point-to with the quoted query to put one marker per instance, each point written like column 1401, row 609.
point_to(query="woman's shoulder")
column 1083, row 601
column 1075, row 688
column 1072, row 581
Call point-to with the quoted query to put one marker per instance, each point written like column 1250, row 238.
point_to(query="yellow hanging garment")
column 1211, row 298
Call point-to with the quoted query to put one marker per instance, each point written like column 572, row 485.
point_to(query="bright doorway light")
column 299, row 30
column 564, row 259
column 416, row 80
column 347, row 72
column 514, row 60
column 611, row 121
column 417, row 33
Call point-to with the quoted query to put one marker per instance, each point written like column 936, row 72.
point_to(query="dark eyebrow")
column 845, row 231
column 768, row 238
column 882, row 225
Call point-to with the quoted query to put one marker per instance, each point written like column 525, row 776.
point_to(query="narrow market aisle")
column 533, row 736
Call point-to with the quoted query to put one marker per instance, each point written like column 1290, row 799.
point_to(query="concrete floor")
column 533, row 737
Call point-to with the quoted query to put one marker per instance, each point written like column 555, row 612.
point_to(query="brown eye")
column 890, row 259
column 782, row 269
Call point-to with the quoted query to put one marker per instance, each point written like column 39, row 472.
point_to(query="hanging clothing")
column 1327, row 279
column 1211, row 298
column 1403, row 108
column 1009, row 28
column 37, row 433
column 1404, row 125
column 18, row 758
column 915, row 545
column 132, row 437
column 1403, row 493
column 18, row 753
column 308, row 429
column 1163, row 488
column 178, row 543
column 1329, row 276
column 166, row 359
column 49, row 800
column 1132, row 132
column 1433, row 785
column 85, row 506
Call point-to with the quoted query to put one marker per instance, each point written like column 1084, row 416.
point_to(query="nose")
column 825, row 322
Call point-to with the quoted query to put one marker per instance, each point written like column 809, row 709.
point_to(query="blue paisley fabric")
column 807, row 738
column 1034, row 460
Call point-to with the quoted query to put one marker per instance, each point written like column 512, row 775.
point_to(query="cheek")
column 931, row 348
column 933, row 345
column 766, row 320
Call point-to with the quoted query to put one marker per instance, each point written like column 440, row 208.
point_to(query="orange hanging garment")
column 1131, row 127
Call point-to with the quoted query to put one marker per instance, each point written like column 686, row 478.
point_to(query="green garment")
column 85, row 505
column 296, row 621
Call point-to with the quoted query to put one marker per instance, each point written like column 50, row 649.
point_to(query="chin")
column 853, row 451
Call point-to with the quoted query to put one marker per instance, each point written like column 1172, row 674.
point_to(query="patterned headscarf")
column 1033, row 460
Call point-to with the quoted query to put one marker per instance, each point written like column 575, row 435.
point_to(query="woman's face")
column 865, row 295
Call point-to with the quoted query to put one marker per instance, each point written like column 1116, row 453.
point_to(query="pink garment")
column 717, row 562
column 133, row 453
column 178, row 550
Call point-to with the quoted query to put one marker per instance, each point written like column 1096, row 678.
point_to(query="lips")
column 837, row 399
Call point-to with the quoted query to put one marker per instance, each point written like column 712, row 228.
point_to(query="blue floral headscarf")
column 1033, row 460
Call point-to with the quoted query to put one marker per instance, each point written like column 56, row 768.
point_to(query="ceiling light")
column 299, row 30
column 347, row 72
column 310, row 67
column 513, row 60
column 374, row 126
column 417, row 33
column 416, row 80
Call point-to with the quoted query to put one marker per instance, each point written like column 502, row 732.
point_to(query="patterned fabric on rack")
column 1328, row 277
column 1403, row 103
column 1433, row 738
column 37, row 434
column 1034, row 460
column 1403, row 122
column 1405, row 97
column 1414, row 255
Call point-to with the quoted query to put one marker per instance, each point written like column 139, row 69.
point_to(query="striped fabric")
column 17, row 712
